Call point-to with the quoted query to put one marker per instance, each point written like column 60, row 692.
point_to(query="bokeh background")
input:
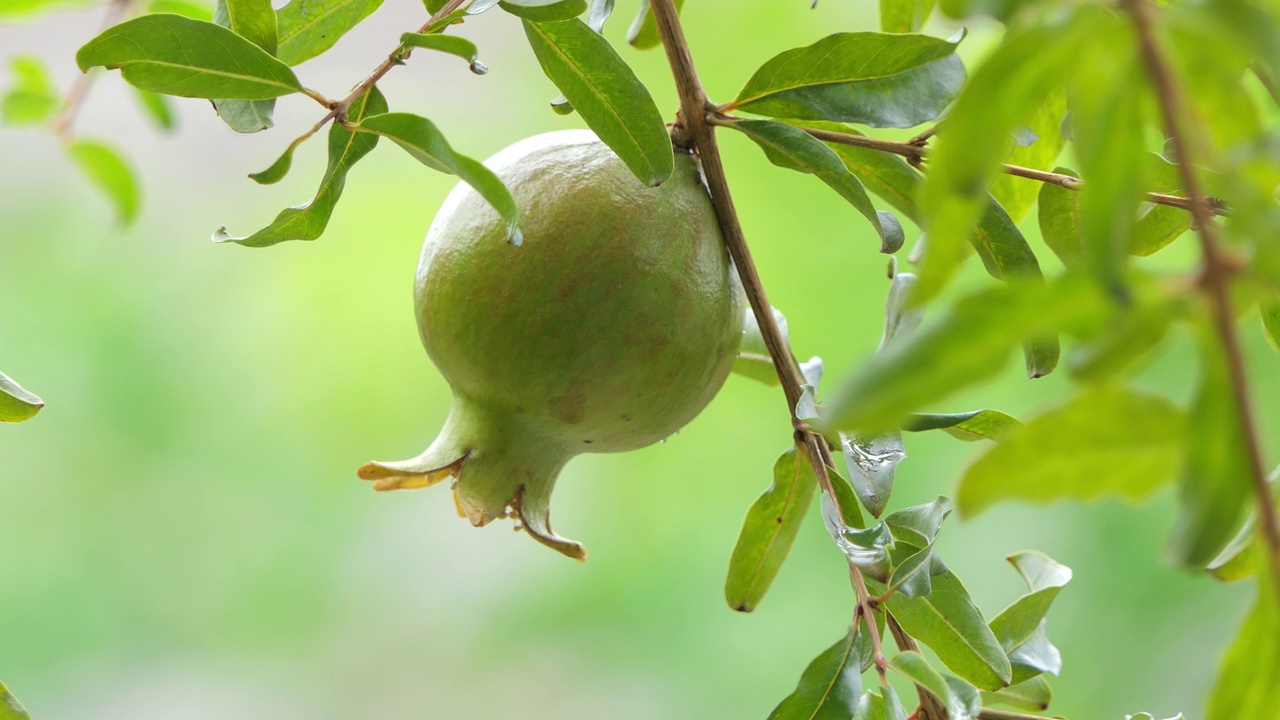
column 181, row 531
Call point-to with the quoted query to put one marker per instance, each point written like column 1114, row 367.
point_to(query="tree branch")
column 915, row 152
column 61, row 125
column 1216, row 273
column 692, row 125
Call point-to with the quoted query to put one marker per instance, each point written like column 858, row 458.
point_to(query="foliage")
column 1156, row 114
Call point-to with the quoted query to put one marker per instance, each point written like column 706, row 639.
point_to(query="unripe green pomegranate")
column 611, row 326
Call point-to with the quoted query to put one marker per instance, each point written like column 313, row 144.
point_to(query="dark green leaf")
column 307, row 222
column 1001, row 96
column 888, row 176
column 967, row 426
column 603, row 89
column 912, row 576
column 1215, row 485
column 952, row 626
column 791, row 148
column 643, row 33
column 1246, row 685
column 174, row 55
column 421, row 139
column 768, row 531
column 753, row 355
column 1046, row 578
column 10, row 708
column 1060, row 220
column 107, row 170
column 16, row 404
column 876, row 79
column 1270, row 309
column 904, row 16
column 309, row 27
column 157, row 108
column 545, row 10
column 451, row 44
column 828, row 688
column 1035, row 656
column 967, row 345
column 193, row 10
column 255, row 21
column 919, row 524
column 1104, row 442
column 33, row 99
column 1017, row 195
column 1033, row 695
column 278, row 169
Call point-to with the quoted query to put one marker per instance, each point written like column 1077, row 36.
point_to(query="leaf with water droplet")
column 16, row 402
column 448, row 44
column 919, row 524
column 753, row 355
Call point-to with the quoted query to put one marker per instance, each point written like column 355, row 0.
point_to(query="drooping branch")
column 1217, row 271
column 694, row 127
column 914, row 152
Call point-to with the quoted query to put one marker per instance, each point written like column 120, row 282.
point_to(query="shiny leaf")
column 769, row 530
column 606, row 93
column 16, row 404
column 919, row 524
column 968, row 426
column 882, row 704
column 753, row 359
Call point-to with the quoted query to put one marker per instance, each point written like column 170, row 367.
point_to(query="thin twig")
column 1216, row 276
column 915, row 153
column 61, row 125
column 694, row 128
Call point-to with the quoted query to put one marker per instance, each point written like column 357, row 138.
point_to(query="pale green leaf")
column 1246, row 685
column 904, row 16
column 606, row 93
column 157, row 108
column 643, row 33
column 33, row 98
column 1018, row 195
column 108, row 171
column 16, row 404
column 1270, row 309
column 968, row 426
column 193, row 10
column 10, row 708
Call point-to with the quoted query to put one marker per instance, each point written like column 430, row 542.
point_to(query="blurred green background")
column 181, row 531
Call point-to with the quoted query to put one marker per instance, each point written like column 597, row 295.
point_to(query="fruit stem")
column 694, row 109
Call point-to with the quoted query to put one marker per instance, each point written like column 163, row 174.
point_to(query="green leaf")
column 309, row 27
column 1215, row 485
column 1241, row 557
column 1017, row 195
column 960, row 698
column 107, row 170
column 10, row 708
column 450, row 44
column 1001, row 96
column 904, row 16
column 1046, row 578
column 603, row 89
column 307, row 222
column 1270, row 310
column 1246, row 684
column 968, row 426
column 278, row 169
column 881, row 705
column 768, row 531
column 919, row 524
column 545, row 10
column 1103, row 442
column 16, row 404
column 643, row 33
column 157, row 108
column 753, row 359
column 888, row 176
column 174, row 55
column 193, row 10
column 1130, row 334
column 952, row 626
column 911, row 575
column 597, row 13
column 794, row 149
column 1059, row 217
column 876, row 79
column 970, row 343
column 828, row 688
column 1035, row 656
column 1160, row 225
column 421, row 139
column 255, row 21
column 33, row 99
column 1033, row 695
column 20, row 8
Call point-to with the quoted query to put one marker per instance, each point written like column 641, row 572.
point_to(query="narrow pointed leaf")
column 310, row 27
column 768, row 531
column 1033, row 695
column 17, row 403
column 108, row 171
column 33, row 99
column 449, row 44
column 829, row 688
column 968, row 426
column 174, row 55
column 421, row 139
column 915, row 668
column 969, row 344
column 278, row 169
column 308, row 221
column 598, row 13
column 753, row 355
column 791, row 148
column 1103, row 442
column 1246, row 684
column 1215, row 485
column 876, row 79
column 951, row 625
column 606, row 93
column 1046, row 578
column 545, row 10
column 643, row 33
